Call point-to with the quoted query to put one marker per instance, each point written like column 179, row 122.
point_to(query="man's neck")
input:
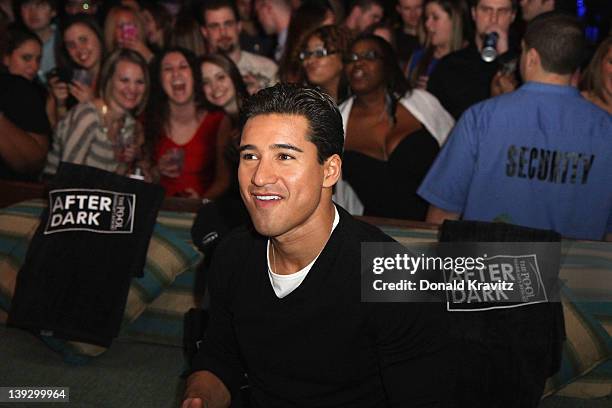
column 45, row 33
column 282, row 21
column 410, row 30
column 549, row 78
column 298, row 247
column 235, row 54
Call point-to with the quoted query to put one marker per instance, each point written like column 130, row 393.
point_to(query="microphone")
column 214, row 220
column 489, row 47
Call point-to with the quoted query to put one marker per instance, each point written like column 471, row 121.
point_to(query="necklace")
column 273, row 258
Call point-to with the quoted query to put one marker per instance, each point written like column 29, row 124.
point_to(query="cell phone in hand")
column 83, row 76
column 63, row 74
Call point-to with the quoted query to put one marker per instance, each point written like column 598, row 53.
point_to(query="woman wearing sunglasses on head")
column 321, row 57
column 393, row 133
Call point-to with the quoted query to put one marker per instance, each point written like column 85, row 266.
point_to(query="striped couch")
column 157, row 302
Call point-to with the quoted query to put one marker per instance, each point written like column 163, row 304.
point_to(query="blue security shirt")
column 539, row 157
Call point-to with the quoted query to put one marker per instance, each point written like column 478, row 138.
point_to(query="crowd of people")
column 156, row 87
column 486, row 111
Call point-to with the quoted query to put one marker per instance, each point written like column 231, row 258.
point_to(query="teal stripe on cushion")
column 599, row 333
column 570, row 366
column 580, row 261
column 185, row 281
column 31, row 207
column 603, row 371
column 7, row 243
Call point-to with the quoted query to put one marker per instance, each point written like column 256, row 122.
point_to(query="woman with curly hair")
column 321, row 55
column 393, row 132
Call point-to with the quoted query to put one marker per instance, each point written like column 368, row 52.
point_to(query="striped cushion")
column 157, row 302
column 169, row 256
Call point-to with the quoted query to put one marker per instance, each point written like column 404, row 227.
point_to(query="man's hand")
column 437, row 215
column 205, row 390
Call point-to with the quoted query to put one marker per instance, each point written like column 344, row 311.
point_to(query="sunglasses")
column 367, row 56
column 318, row 53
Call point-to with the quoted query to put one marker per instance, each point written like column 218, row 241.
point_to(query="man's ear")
column 239, row 26
column 533, row 58
column 204, row 31
column 332, row 169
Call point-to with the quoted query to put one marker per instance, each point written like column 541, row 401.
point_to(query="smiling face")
column 282, row 183
column 177, row 78
column 24, row 60
column 126, row 87
column 323, row 71
column 366, row 74
column 83, row 45
column 438, row 25
column 218, row 86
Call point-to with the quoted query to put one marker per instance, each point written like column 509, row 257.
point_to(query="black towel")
column 92, row 239
column 503, row 357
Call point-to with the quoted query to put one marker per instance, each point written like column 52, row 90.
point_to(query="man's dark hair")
column 366, row 4
column 14, row 37
column 558, row 39
column 18, row 3
column 324, row 120
column 515, row 3
column 210, row 5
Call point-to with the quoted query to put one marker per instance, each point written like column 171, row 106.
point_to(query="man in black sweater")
column 285, row 294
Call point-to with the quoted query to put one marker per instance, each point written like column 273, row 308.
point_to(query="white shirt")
column 285, row 284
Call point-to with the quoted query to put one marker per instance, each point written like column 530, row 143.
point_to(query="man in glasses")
column 221, row 28
column 285, row 294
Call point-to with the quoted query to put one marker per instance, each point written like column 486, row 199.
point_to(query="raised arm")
column 22, row 151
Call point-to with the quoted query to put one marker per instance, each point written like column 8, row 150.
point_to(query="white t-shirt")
column 285, row 284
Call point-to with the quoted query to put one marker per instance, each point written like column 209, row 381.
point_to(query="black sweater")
column 320, row 346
